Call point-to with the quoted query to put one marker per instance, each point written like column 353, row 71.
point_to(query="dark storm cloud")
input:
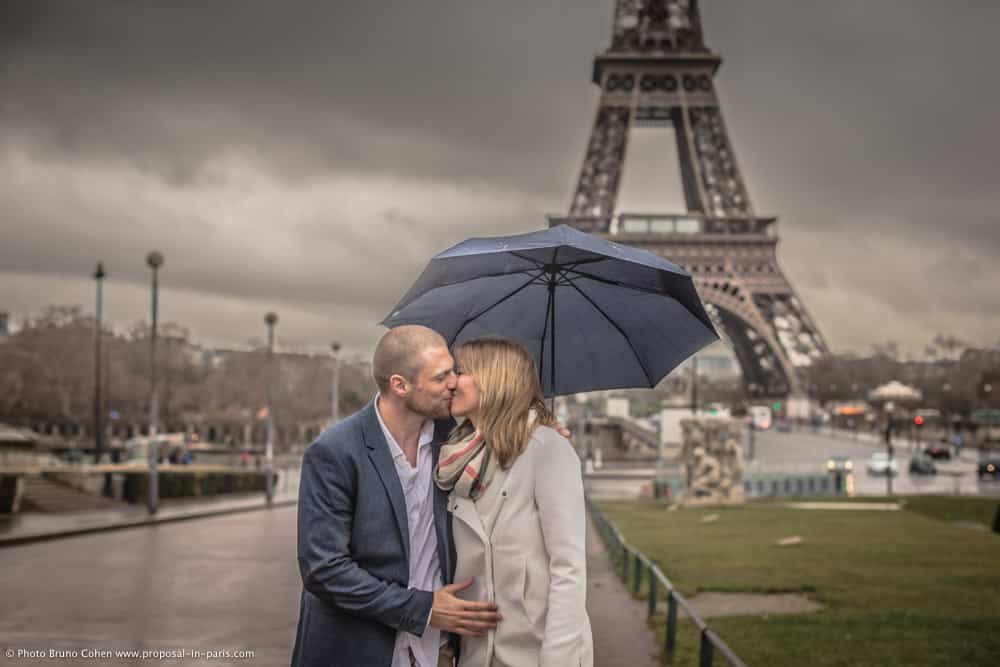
column 169, row 84
column 316, row 154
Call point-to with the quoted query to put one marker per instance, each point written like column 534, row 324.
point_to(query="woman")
column 518, row 512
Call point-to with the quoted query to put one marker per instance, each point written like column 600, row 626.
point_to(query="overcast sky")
column 309, row 158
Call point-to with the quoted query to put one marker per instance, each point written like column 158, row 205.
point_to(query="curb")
column 136, row 523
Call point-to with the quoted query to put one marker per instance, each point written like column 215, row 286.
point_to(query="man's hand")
column 453, row 614
column 563, row 431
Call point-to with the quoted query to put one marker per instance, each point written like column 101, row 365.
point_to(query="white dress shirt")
column 425, row 570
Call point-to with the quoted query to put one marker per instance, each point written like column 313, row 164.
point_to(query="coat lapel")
column 378, row 452
column 464, row 509
column 491, row 518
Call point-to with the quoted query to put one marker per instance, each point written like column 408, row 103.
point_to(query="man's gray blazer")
column 353, row 548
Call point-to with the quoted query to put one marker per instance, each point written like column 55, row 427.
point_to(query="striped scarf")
column 466, row 466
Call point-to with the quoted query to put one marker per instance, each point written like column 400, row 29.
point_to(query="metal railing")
column 789, row 485
column 635, row 562
column 655, row 224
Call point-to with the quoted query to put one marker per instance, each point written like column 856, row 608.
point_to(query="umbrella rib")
column 571, row 265
column 528, row 259
column 466, row 323
column 620, row 330
column 617, row 283
column 499, row 274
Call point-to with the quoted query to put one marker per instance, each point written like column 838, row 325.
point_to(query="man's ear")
column 399, row 386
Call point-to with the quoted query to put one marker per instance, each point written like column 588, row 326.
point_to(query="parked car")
column 881, row 464
column 938, row 452
column 922, row 464
column 760, row 417
column 839, row 464
column 989, row 463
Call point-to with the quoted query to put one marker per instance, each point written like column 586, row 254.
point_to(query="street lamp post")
column 98, row 409
column 154, row 260
column 694, row 385
column 335, row 384
column 270, row 319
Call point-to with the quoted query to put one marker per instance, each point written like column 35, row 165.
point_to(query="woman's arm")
column 559, row 494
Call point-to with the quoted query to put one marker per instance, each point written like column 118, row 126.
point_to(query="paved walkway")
column 35, row 526
column 621, row 636
column 28, row 527
column 223, row 583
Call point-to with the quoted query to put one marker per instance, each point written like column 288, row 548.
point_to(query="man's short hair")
column 400, row 352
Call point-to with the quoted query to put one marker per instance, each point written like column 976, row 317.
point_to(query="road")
column 225, row 583
column 805, row 451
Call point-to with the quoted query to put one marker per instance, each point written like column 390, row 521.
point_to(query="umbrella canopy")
column 895, row 391
column 594, row 314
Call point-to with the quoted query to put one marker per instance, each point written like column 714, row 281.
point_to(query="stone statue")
column 713, row 459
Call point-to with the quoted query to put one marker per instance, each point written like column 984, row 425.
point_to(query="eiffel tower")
column 659, row 73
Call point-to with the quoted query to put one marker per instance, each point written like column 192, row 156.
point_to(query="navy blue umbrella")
column 594, row 314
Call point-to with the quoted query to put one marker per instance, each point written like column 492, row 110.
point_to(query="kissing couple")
column 444, row 523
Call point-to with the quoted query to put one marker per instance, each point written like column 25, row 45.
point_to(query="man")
column 374, row 544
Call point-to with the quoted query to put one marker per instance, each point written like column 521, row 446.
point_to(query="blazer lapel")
column 441, row 526
column 378, row 452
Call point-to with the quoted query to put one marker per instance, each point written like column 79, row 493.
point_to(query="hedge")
column 193, row 483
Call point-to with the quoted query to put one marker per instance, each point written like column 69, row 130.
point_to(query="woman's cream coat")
column 529, row 554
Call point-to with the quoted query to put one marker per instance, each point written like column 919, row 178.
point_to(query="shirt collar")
column 426, row 433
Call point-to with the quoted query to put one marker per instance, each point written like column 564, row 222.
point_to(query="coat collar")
column 465, row 508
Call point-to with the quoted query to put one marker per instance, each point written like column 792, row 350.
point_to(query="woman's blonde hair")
column 508, row 391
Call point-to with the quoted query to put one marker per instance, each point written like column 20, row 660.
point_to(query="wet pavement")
column 32, row 526
column 618, row 621
column 227, row 583
column 224, row 583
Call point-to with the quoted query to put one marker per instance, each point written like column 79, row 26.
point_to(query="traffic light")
column 918, row 420
column 777, row 406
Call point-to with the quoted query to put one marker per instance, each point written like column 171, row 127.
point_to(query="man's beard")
column 428, row 408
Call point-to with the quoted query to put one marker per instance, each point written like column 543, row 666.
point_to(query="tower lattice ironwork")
column 659, row 73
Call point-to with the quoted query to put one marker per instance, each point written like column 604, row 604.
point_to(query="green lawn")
column 950, row 508
column 898, row 588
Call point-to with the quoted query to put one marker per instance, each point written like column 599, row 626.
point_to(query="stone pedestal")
column 713, row 461
column 671, row 433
